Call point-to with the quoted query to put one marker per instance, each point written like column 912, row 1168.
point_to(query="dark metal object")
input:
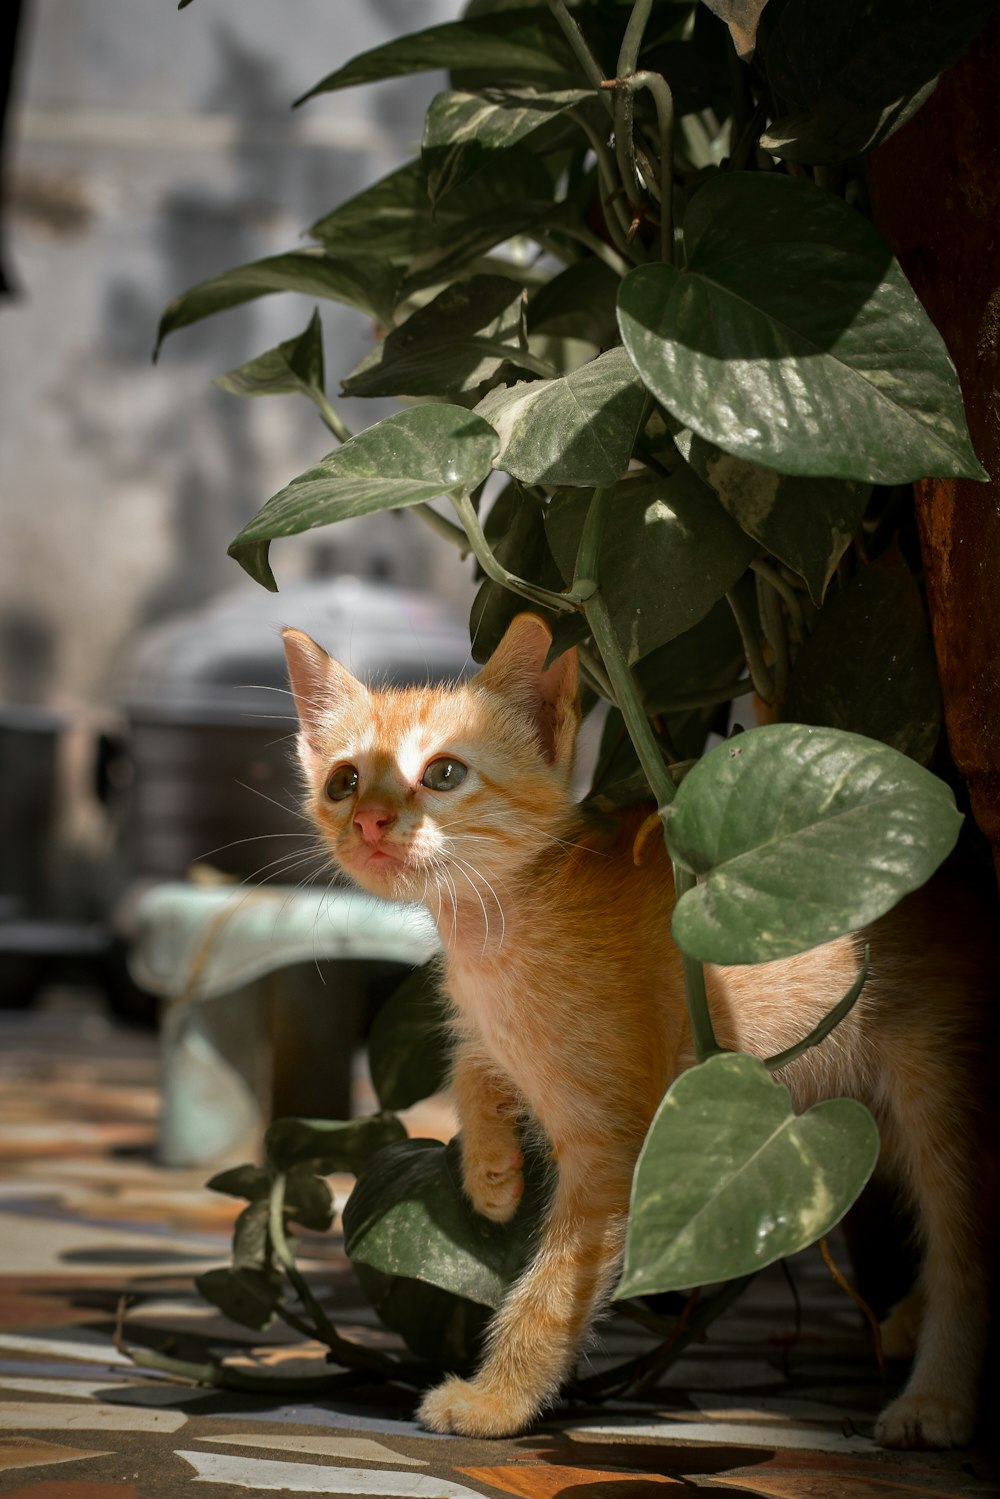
column 211, row 724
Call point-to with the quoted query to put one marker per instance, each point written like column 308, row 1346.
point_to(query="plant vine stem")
column 351, row 1355
column 593, row 243
column 615, row 216
column 822, row 1030
column 701, row 1316
column 773, row 624
column 762, row 684
column 587, row 585
column 594, row 668
column 631, row 45
column 647, row 1367
column 339, row 428
column 443, row 526
column 588, row 62
column 565, row 603
column 859, row 1301
column 663, row 101
column 781, row 585
column 628, row 57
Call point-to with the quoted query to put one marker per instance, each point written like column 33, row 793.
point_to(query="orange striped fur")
column 568, row 1010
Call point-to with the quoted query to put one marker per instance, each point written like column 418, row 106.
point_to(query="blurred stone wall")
column 148, row 149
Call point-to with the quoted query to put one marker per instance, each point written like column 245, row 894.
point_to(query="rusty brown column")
column 936, row 197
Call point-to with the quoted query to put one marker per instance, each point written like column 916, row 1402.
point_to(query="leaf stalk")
column 640, row 730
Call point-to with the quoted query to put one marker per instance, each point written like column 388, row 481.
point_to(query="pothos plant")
column 673, row 388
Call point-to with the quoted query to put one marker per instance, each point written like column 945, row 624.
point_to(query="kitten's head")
column 424, row 790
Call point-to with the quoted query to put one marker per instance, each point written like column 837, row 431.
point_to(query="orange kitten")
column 567, row 997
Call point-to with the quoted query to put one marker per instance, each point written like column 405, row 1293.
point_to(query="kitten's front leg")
column 488, row 1110
column 538, row 1330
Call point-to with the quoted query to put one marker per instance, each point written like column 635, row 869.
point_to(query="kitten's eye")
column 342, row 784
column 444, row 775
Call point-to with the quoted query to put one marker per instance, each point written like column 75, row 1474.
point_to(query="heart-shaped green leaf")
column 730, row 1179
column 807, row 523
column 445, row 1330
column 520, row 45
column 249, row 1296
column 409, row 457
column 328, row 1145
column 252, row 1237
column 463, row 130
column 669, row 553
column 851, row 381
column 251, row 1182
column 409, row 1216
column 578, row 429
column 308, row 1199
column 392, row 221
column 295, row 365
column 799, row 835
column 369, row 284
column 463, row 337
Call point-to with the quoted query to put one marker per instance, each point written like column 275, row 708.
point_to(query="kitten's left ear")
column 548, row 697
column 320, row 686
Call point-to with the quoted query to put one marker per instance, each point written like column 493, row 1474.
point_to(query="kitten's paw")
column 925, row 1421
column 901, row 1328
column 495, row 1185
column 465, row 1408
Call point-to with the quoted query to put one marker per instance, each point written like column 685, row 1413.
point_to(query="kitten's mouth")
column 382, row 858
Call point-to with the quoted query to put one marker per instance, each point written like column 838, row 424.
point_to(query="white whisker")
column 463, row 865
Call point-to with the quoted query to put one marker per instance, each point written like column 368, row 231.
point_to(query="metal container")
column 211, row 722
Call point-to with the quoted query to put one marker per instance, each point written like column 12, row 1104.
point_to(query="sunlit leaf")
column 295, row 365
column 518, row 46
column 578, row 429
column 730, row 1179
column 368, row 284
column 669, row 553
column 792, row 339
column 412, row 456
column 462, row 130
column 799, row 835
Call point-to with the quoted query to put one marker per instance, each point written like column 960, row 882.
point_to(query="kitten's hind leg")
column 488, row 1111
column 934, row 1139
column 901, row 1328
column 538, row 1330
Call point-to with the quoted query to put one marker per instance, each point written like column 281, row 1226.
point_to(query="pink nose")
column 372, row 822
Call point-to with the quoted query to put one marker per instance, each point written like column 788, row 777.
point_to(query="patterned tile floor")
column 85, row 1216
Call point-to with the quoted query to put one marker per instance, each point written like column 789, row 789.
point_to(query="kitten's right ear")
column 320, row 687
column 548, row 697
